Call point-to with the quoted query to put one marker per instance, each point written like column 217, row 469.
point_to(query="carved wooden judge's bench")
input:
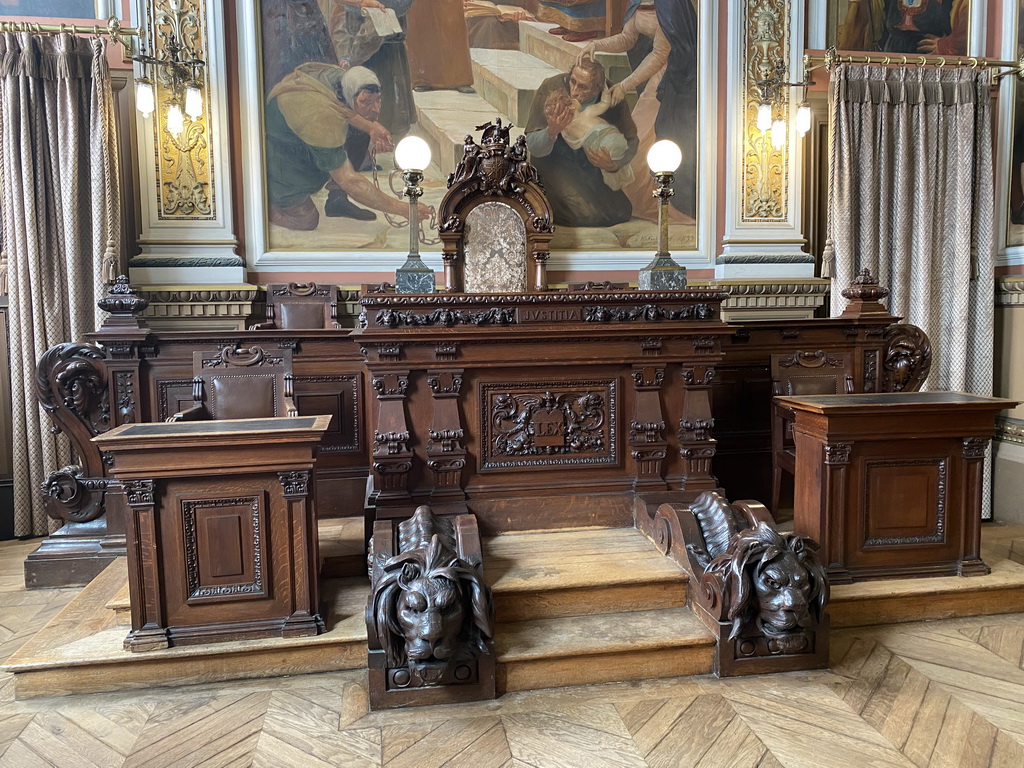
column 470, row 412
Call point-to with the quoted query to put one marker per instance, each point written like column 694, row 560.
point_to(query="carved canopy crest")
column 496, row 170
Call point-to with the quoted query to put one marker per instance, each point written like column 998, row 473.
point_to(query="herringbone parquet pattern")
column 947, row 693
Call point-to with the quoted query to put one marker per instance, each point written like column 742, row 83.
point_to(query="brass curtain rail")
column 117, row 34
column 831, row 58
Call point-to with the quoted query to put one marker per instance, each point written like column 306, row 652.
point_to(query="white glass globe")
column 779, row 134
column 803, row 119
column 764, row 117
column 412, row 154
column 193, row 102
column 145, row 101
column 664, row 157
column 175, row 120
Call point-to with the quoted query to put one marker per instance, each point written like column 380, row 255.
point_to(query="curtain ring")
column 903, row 61
column 974, row 62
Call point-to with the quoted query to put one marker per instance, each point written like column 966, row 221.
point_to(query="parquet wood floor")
column 940, row 693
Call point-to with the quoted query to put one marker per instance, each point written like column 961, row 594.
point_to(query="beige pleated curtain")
column 60, row 193
column 911, row 198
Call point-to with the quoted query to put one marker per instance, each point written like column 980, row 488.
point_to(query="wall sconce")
column 177, row 69
column 769, row 112
column 412, row 155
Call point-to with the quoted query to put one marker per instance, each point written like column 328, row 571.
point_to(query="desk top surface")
column 895, row 400
column 225, row 427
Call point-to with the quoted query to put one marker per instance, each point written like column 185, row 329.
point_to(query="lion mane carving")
column 762, row 591
column 429, row 612
column 772, row 582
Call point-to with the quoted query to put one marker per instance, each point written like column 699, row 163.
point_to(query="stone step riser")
column 535, row 40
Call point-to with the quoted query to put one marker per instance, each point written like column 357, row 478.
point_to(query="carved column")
column 648, row 445
column 837, row 464
column 763, row 232
column 696, row 446
column 973, row 455
column 297, row 487
column 392, row 457
column 446, row 454
column 149, row 630
column 185, row 180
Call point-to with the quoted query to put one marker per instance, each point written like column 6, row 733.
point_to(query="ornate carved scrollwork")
column 906, row 359
column 446, row 317
column 648, row 313
column 430, row 616
column 72, row 385
column 549, row 424
column 762, row 591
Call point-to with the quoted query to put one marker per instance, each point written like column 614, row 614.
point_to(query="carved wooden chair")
column 300, row 306
column 495, row 218
column 801, row 373
column 240, row 384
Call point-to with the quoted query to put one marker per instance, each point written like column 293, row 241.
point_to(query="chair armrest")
column 289, row 408
column 195, row 413
column 268, row 325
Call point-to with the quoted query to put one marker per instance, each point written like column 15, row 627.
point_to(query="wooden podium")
column 890, row 484
column 221, row 533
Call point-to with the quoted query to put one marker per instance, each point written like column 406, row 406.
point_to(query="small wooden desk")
column 221, row 531
column 890, row 484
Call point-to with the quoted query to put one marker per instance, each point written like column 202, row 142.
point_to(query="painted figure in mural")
column 642, row 29
column 357, row 41
column 906, row 26
column 294, row 32
column 677, row 96
column 576, row 20
column 575, row 178
column 438, row 46
column 493, row 25
column 361, row 92
column 589, row 130
column 1017, row 166
column 307, row 126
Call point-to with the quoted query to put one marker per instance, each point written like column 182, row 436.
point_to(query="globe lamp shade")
column 664, row 157
column 412, row 154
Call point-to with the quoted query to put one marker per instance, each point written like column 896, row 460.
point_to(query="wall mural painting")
column 345, row 80
column 928, row 27
column 1015, row 219
column 55, row 9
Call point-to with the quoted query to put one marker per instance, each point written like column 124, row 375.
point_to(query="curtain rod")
column 117, row 34
column 832, row 58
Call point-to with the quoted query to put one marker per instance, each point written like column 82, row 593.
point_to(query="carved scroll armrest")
column 267, row 325
column 195, row 413
column 289, row 408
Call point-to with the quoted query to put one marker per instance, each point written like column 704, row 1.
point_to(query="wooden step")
column 548, row 574
column 342, row 547
column 121, row 603
column 80, row 650
column 580, row 650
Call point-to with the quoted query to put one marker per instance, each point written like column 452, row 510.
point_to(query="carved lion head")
column 772, row 580
column 429, row 605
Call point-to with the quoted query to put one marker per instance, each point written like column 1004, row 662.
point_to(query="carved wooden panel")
column 550, row 424
column 225, row 547
column 337, row 397
column 917, row 487
column 173, row 395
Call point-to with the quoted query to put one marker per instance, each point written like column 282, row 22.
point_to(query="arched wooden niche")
column 495, row 218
